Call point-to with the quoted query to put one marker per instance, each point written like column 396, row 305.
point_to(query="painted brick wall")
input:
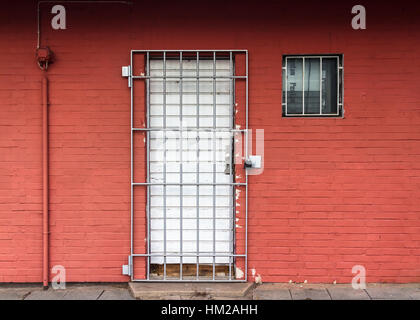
column 334, row 192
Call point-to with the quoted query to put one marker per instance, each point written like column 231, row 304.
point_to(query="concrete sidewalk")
column 72, row 292
column 277, row 291
column 208, row 291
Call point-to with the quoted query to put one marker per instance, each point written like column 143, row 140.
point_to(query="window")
column 313, row 86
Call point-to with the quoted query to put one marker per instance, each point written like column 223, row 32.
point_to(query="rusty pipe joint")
column 44, row 57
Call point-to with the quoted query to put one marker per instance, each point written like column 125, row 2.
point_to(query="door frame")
column 132, row 78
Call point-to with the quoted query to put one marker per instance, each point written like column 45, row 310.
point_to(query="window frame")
column 340, row 86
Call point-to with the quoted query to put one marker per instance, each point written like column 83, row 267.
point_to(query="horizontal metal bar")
column 188, row 280
column 189, row 229
column 196, row 50
column 192, row 218
column 173, row 255
column 189, row 77
column 191, row 129
column 309, row 57
column 187, row 184
column 308, row 115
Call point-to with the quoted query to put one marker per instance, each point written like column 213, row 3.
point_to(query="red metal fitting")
column 44, row 57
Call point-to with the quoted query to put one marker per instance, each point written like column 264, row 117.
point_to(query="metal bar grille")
column 319, row 59
column 232, row 188
column 197, row 88
column 148, row 162
column 164, row 166
column 214, row 255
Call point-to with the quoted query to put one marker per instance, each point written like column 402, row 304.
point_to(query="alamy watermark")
column 59, row 279
column 59, row 20
column 214, row 146
column 359, row 280
column 359, row 20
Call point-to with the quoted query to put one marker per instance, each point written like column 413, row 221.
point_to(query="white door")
column 194, row 218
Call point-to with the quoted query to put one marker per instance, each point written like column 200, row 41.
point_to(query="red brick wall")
column 334, row 193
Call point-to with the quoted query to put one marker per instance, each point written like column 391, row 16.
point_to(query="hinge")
column 126, row 268
column 126, row 72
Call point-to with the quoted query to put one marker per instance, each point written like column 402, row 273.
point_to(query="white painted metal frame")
column 340, row 93
column 148, row 183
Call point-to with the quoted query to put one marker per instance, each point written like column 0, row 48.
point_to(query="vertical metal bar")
column 341, row 70
column 303, row 86
column 148, row 162
column 233, row 167
column 338, row 85
column 131, row 170
column 246, row 173
column 214, row 164
column 197, row 88
column 164, row 165
column 232, row 188
column 180, row 166
column 320, row 86
column 287, row 88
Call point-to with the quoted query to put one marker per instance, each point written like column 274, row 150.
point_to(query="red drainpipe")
column 45, row 174
column 44, row 57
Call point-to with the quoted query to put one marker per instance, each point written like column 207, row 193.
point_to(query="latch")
column 126, row 73
column 253, row 162
column 228, row 160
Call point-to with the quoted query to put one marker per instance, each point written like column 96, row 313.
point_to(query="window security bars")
column 313, row 86
column 190, row 211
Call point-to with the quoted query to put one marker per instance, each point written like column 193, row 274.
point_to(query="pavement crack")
column 100, row 295
column 26, row 295
column 326, row 289
column 367, row 294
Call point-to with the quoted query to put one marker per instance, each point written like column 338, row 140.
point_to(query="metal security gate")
column 190, row 171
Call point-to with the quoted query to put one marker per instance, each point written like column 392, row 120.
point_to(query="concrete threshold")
column 190, row 290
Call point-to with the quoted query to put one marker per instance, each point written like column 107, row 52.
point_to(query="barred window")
column 313, row 86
